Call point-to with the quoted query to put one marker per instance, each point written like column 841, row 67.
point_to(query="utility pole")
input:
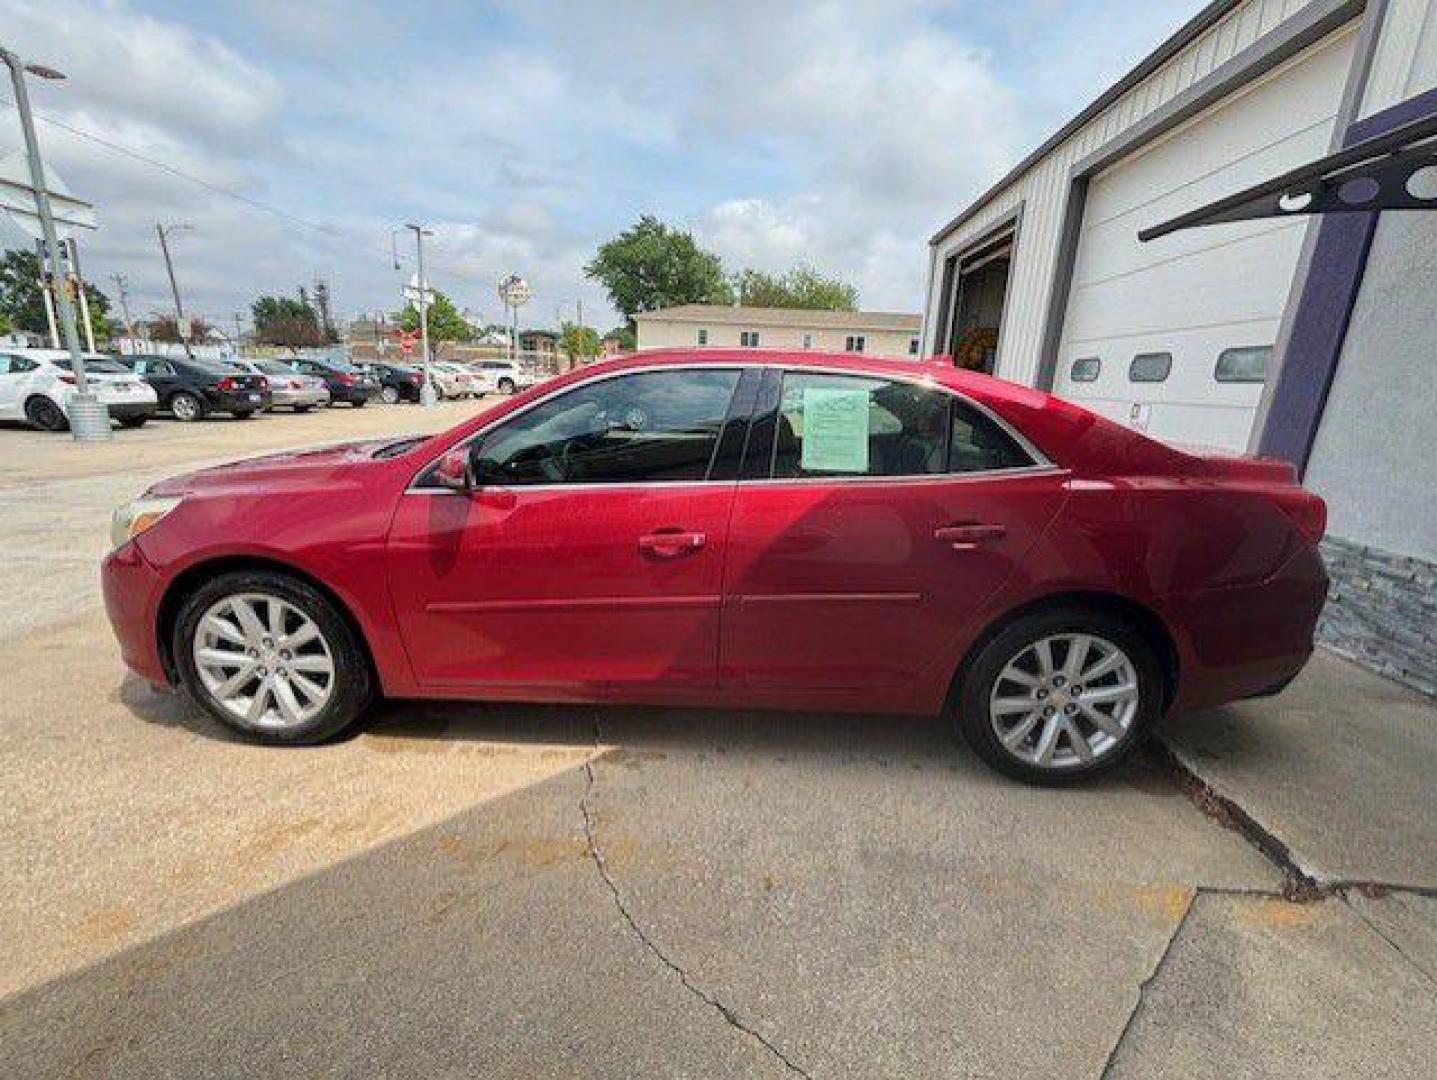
column 239, row 331
column 427, row 396
column 163, row 231
column 122, row 290
column 89, row 419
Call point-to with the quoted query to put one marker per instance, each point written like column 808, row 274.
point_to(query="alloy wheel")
column 185, row 407
column 1064, row 701
column 264, row 661
column 390, row 395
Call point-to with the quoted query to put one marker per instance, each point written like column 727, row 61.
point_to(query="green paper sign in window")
column 835, row 430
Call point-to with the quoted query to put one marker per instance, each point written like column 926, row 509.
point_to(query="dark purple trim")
column 1324, row 309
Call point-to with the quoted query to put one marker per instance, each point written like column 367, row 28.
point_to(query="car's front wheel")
column 271, row 657
column 1060, row 695
column 389, row 395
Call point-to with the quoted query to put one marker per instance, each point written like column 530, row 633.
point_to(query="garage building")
column 1305, row 336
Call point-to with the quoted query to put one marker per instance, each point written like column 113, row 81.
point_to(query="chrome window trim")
column 1041, row 463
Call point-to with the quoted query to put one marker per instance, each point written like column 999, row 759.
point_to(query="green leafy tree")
column 651, row 266
column 579, row 343
column 5, row 326
column 23, row 304
column 628, row 340
column 801, row 287
column 283, row 320
column 445, row 322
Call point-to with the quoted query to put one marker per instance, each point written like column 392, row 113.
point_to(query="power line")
column 255, row 204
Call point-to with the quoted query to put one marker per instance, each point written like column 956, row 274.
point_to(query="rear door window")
column 1247, row 364
column 1150, row 367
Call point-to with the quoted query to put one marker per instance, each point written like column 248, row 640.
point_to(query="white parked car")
column 36, row 385
column 288, row 388
column 454, row 380
column 501, row 376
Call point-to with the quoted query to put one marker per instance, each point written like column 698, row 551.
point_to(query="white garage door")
column 1172, row 336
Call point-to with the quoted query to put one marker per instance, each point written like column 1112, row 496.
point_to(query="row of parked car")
column 36, row 385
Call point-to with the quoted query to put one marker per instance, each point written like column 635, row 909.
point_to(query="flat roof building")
column 873, row 333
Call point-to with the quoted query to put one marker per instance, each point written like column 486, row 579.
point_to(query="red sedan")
column 737, row 529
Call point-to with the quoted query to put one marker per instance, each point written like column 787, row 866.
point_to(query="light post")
column 514, row 291
column 89, row 419
column 427, row 395
column 163, row 232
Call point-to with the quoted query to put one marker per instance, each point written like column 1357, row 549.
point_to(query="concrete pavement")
column 568, row 891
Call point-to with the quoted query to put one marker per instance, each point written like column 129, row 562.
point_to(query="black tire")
column 45, row 414
column 360, row 403
column 244, row 414
column 187, row 407
column 353, row 686
column 303, row 408
column 974, row 719
column 506, row 386
column 132, row 421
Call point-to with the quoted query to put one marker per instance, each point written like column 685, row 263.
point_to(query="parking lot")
column 519, row 891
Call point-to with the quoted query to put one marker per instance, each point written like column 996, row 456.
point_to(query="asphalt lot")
column 570, row 891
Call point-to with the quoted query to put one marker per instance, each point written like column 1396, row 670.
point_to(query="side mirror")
column 455, row 471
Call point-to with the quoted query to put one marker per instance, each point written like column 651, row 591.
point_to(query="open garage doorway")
column 975, row 289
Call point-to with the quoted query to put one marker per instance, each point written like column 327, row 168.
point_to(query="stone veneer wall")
column 1382, row 612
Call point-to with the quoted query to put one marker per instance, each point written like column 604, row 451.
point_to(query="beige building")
column 689, row 326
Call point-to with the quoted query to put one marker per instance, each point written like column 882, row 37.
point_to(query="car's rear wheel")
column 45, row 414
column 360, row 403
column 186, row 406
column 1060, row 695
column 303, row 408
column 243, row 414
column 271, row 657
column 506, row 386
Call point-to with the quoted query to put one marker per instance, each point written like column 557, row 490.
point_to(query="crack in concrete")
column 1299, row 886
column 596, row 855
column 1398, row 949
column 1142, row 995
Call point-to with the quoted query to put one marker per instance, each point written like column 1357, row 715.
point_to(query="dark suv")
column 346, row 382
column 192, row 389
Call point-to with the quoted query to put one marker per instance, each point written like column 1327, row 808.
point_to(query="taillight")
column 345, row 380
column 226, row 383
column 1307, row 511
column 263, row 383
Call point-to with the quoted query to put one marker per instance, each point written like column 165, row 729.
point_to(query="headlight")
column 135, row 517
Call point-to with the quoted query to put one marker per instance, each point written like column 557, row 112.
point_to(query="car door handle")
column 670, row 544
column 968, row 537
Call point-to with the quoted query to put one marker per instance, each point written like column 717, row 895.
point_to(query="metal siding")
column 1044, row 186
column 1405, row 62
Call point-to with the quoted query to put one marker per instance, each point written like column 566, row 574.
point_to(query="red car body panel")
column 811, row 594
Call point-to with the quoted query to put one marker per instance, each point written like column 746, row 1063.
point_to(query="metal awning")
column 1396, row 171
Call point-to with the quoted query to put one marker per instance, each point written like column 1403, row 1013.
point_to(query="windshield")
column 274, row 367
column 96, row 367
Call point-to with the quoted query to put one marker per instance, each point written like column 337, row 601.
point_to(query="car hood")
column 289, row 469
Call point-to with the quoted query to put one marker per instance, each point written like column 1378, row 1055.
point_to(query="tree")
column 801, row 287
column 164, row 328
column 445, row 322
column 650, row 266
column 579, row 343
column 5, row 326
column 282, row 320
column 23, row 304
column 628, row 340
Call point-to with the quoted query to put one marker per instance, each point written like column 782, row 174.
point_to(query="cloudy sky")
column 525, row 133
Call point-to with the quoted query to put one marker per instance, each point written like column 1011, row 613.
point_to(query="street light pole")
column 163, row 232
column 427, row 396
column 89, row 419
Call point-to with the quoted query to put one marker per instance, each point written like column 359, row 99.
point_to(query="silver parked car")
column 289, row 388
